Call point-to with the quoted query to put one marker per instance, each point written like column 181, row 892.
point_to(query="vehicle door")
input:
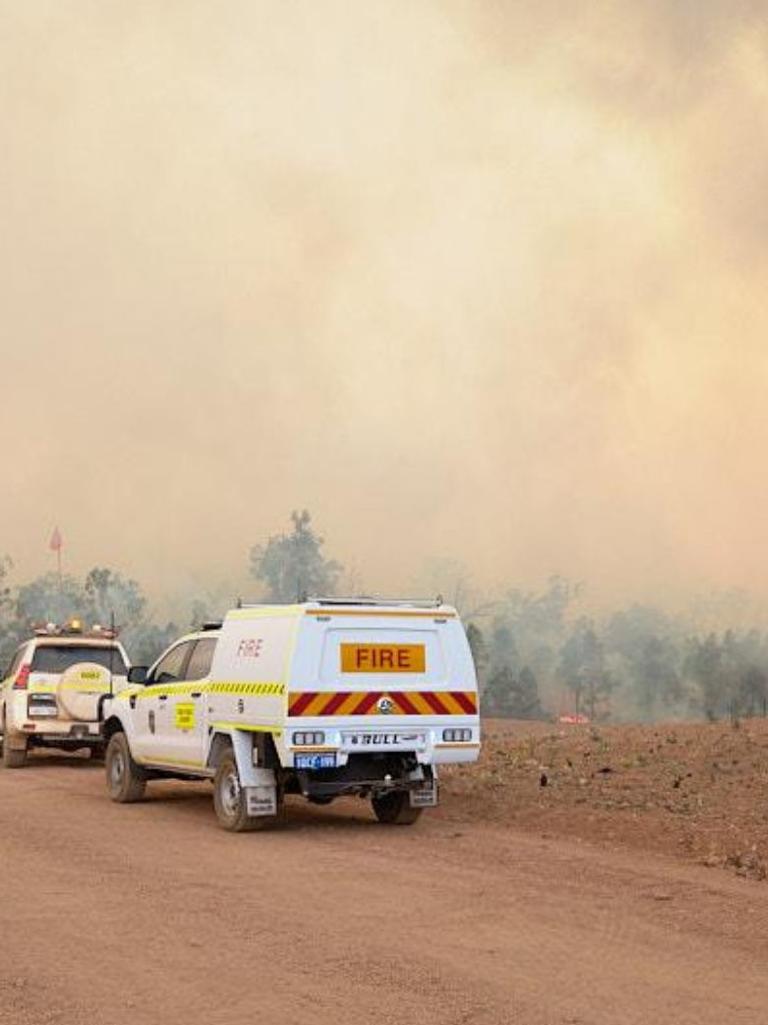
column 188, row 707
column 152, row 715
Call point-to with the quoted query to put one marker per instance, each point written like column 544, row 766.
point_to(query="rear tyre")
column 230, row 804
column 394, row 808
column 126, row 781
column 14, row 757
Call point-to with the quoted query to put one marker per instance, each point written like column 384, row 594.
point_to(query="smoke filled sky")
column 465, row 278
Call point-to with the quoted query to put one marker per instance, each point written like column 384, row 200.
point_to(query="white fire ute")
column 52, row 690
column 324, row 698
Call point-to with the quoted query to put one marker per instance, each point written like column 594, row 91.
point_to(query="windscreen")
column 55, row 658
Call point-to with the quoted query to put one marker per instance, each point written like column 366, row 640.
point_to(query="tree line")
column 287, row 567
column 537, row 660
column 536, row 656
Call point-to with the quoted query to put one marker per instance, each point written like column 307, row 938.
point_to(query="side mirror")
column 138, row 674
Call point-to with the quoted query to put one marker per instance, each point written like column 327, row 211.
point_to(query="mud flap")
column 261, row 800
column 261, row 792
column 259, row 785
column 425, row 795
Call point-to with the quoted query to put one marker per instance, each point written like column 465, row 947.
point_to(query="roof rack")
column 364, row 599
column 358, row 599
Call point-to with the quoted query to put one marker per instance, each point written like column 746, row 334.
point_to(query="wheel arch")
column 112, row 725
column 221, row 744
column 242, row 743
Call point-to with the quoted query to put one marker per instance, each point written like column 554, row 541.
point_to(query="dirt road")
column 150, row 914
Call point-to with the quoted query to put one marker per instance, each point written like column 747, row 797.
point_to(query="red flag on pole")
column 56, row 543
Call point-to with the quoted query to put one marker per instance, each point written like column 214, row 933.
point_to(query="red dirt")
column 693, row 790
column 134, row 915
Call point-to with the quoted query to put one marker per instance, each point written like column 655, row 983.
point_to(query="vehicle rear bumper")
column 43, row 726
column 425, row 740
column 45, row 729
column 365, row 774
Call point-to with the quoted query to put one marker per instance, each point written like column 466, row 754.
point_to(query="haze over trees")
column 536, row 653
column 104, row 596
column 287, row 565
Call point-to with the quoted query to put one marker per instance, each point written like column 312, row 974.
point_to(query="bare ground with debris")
column 693, row 790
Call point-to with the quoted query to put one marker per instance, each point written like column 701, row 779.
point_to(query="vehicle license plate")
column 316, row 761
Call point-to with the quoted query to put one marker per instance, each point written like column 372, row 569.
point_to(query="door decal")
column 184, row 716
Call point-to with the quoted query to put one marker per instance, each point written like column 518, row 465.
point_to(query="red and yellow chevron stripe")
column 389, row 702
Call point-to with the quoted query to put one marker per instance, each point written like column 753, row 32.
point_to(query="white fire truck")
column 322, row 699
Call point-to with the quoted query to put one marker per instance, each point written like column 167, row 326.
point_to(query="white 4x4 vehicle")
column 52, row 691
column 321, row 699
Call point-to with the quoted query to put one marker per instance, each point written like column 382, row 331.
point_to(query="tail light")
column 457, row 736
column 303, row 739
column 22, row 678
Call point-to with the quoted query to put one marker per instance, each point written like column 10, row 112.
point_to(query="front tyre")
column 126, row 781
column 229, row 801
column 394, row 808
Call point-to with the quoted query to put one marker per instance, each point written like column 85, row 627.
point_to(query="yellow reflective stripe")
column 245, row 689
column 169, row 689
column 247, row 728
column 252, row 689
column 82, row 688
column 128, row 692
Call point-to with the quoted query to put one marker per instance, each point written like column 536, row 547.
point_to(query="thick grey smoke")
column 467, row 279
